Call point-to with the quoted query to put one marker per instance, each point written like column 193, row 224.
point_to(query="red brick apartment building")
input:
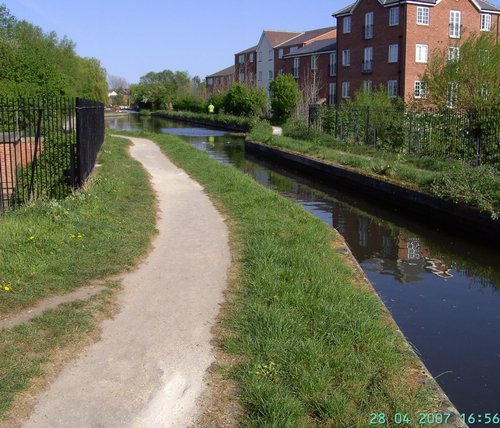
column 314, row 67
column 391, row 41
column 245, row 66
column 219, row 81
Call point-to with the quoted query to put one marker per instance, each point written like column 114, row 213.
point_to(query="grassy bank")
column 235, row 123
column 54, row 247
column 314, row 342
column 452, row 180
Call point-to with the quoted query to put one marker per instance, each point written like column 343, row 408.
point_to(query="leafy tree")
column 240, row 100
column 285, row 96
column 466, row 76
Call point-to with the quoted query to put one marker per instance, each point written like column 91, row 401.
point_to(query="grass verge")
column 450, row 179
column 315, row 344
column 54, row 247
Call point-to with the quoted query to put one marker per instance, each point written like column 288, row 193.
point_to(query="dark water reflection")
column 444, row 292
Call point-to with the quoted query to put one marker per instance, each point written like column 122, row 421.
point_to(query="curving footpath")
column 147, row 369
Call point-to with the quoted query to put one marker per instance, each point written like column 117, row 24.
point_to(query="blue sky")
column 133, row 37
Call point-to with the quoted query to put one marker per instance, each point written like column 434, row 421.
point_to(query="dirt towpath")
column 147, row 370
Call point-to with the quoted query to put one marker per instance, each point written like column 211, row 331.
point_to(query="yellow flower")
column 31, row 238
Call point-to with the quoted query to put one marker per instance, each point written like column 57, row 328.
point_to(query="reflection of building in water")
column 400, row 255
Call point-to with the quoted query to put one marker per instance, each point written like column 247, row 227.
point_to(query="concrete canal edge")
column 446, row 406
column 446, row 214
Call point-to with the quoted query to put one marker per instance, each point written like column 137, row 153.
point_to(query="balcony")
column 367, row 67
column 367, row 32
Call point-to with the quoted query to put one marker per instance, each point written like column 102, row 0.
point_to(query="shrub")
column 189, row 102
column 241, row 100
column 285, row 96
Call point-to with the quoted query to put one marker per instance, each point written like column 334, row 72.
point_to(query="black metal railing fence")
column 41, row 150
column 471, row 136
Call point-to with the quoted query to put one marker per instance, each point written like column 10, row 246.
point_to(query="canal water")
column 442, row 290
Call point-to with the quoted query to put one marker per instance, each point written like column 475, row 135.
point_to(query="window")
column 422, row 15
column 333, row 63
column 280, row 71
column 250, row 58
column 296, row 63
column 210, row 81
column 420, row 89
column 259, row 56
column 332, row 91
column 293, row 49
column 422, row 53
column 314, row 62
column 393, row 53
column 241, row 77
column 345, row 89
column 271, row 55
column 346, row 24
column 260, row 76
column 367, row 86
column 280, row 53
column 367, row 66
column 346, row 58
column 270, row 75
column 485, row 22
column 454, row 24
column 394, row 16
column 392, row 88
column 241, row 59
column 452, row 94
column 250, row 76
column 368, row 30
column 453, row 53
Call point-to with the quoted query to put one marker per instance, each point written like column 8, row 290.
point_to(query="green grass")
column 54, row 247
column 315, row 344
column 242, row 123
column 478, row 186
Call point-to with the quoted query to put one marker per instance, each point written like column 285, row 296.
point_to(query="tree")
column 241, row 100
column 466, row 76
column 117, row 82
column 285, row 96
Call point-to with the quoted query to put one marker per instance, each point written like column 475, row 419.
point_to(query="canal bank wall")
column 419, row 205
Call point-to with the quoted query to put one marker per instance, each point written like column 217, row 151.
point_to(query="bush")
column 285, row 96
column 190, row 103
column 298, row 129
column 241, row 100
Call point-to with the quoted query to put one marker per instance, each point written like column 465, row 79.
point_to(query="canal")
column 442, row 290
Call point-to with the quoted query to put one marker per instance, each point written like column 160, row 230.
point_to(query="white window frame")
column 393, row 16
column 453, row 53
column 367, row 86
column 485, row 22
column 455, row 18
column 421, row 53
column 332, row 92
column 296, row 67
column 368, row 59
column 259, row 76
column 368, row 30
column 346, row 58
column 210, row 81
column 314, row 62
column 259, row 56
column 333, row 64
column 280, row 53
column 392, row 88
column 419, row 89
column 241, row 77
column 270, row 74
column 271, row 54
column 393, row 53
column 293, row 49
column 423, row 15
column 250, row 57
column 452, row 95
column 346, row 87
column 346, row 25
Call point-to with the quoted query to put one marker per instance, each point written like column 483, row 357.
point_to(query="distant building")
column 219, row 81
column 245, row 66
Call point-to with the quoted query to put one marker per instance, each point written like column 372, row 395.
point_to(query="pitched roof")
column 252, row 49
column 482, row 5
column 226, row 72
column 307, row 35
column 317, row 47
column 277, row 37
